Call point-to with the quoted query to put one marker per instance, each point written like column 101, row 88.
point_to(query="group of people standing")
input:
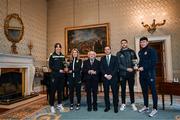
column 110, row 69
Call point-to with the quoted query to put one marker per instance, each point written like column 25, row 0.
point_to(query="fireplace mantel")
column 18, row 61
column 14, row 59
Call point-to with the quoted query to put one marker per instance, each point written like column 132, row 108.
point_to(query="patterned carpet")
column 170, row 113
column 46, row 116
column 25, row 110
column 40, row 110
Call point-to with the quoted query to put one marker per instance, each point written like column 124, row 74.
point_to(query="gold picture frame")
column 14, row 30
column 86, row 38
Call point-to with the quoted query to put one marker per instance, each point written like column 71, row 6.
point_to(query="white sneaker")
column 144, row 109
column 53, row 109
column 123, row 107
column 60, row 107
column 153, row 112
column 134, row 107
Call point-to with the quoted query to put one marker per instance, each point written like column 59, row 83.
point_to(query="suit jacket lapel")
column 105, row 60
column 89, row 62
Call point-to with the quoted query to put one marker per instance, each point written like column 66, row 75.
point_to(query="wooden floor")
column 2, row 110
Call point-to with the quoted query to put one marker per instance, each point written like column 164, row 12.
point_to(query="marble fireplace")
column 24, row 64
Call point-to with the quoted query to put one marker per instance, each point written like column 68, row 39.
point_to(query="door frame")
column 167, row 58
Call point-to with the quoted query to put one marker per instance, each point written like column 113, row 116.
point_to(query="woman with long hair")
column 74, row 78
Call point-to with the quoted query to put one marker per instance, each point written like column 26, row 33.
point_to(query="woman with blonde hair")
column 74, row 78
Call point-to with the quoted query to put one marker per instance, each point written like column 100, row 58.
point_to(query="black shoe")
column 95, row 109
column 106, row 109
column 89, row 109
column 115, row 110
column 71, row 107
column 78, row 106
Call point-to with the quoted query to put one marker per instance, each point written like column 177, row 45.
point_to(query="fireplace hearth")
column 10, row 86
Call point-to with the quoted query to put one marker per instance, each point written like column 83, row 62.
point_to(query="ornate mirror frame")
column 14, row 30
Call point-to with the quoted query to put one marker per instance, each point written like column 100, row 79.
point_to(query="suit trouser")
column 145, row 84
column 131, row 88
column 74, row 85
column 56, row 84
column 92, row 88
column 114, row 88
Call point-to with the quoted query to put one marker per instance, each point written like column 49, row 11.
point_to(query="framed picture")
column 86, row 38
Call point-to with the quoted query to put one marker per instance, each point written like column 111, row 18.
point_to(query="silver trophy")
column 135, row 63
column 66, row 65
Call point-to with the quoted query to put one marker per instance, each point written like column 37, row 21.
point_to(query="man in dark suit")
column 91, row 71
column 109, row 71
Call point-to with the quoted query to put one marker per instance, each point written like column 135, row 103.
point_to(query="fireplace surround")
column 25, row 64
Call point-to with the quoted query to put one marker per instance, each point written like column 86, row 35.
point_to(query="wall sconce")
column 152, row 28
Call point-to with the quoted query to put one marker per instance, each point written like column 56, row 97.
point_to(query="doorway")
column 159, row 46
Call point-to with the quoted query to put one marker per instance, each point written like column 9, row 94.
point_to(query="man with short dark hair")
column 56, row 64
column 126, row 56
column 109, row 75
column 147, row 66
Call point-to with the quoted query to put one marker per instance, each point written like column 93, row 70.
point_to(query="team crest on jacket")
column 145, row 53
column 121, row 55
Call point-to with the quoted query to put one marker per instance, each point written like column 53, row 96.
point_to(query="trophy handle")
column 135, row 62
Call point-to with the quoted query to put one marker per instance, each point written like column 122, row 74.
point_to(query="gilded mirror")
column 14, row 30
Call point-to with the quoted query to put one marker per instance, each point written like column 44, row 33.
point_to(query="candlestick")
column 30, row 46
